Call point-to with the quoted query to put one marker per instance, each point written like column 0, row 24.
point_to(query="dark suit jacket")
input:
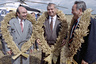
column 90, row 56
column 51, row 36
column 87, row 51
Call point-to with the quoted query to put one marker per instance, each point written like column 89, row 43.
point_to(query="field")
column 35, row 55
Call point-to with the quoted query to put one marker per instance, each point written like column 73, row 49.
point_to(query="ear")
column 80, row 9
column 17, row 13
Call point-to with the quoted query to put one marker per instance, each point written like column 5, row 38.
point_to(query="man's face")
column 75, row 12
column 23, row 13
column 51, row 10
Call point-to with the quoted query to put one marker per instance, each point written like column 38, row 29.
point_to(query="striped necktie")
column 72, row 31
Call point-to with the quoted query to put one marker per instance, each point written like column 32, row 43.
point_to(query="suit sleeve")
column 30, row 32
column 6, row 46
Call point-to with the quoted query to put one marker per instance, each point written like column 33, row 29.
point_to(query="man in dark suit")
column 51, row 32
column 90, row 56
column 86, row 52
column 52, row 28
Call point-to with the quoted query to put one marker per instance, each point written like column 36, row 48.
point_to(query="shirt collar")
column 79, row 19
column 53, row 17
column 20, row 20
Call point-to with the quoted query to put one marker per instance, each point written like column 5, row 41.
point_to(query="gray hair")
column 80, row 5
column 50, row 4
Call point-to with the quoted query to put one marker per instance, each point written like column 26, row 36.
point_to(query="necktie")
column 21, row 24
column 51, row 24
column 72, row 31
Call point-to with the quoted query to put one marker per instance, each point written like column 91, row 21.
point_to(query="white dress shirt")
column 54, row 20
column 20, row 21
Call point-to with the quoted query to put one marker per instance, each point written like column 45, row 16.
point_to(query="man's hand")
column 84, row 62
column 38, row 41
column 9, row 52
column 63, row 42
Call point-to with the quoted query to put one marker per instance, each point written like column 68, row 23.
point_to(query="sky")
column 65, row 3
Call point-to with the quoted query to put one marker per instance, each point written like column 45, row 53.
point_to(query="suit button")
column 16, row 37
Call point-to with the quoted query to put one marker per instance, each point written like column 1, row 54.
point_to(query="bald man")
column 20, row 33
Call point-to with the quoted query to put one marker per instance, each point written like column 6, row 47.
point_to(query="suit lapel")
column 47, row 27
column 18, row 28
column 25, row 27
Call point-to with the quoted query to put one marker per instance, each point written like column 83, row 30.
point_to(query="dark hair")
column 17, row 11
column 10, row 10
column 80, row 4
column 32, row 13
column 51, row 4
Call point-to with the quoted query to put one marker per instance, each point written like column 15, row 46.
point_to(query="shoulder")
column 46, row 20
column 29, row 22
column 12, row 20
column 93, row 20
column 58, row 18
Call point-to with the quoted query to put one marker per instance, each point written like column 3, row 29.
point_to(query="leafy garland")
column 81, row 32
column 53, row 51
column 9, row 39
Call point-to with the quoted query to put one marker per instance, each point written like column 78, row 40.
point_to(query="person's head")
column 21, row 12
column 33, row 14
column 38, row 14
column 51, row 9
column 10, row 10
column 78, row 8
